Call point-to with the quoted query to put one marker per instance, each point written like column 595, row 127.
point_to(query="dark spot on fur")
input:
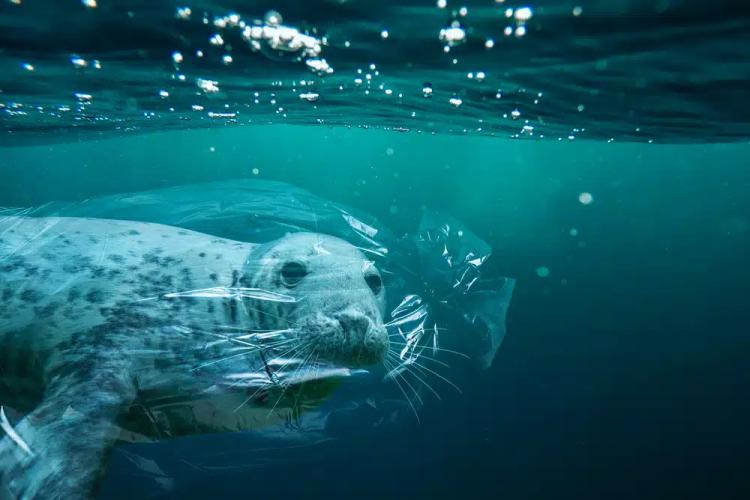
column 46, row 311
column 31, row 296
column 98, row 271
column 202, row 254
column 7, row 293
column 113, row 273
column 133, row 232
column 213, row 277
column 73, row 294
column 118, row 259
column 95, row 296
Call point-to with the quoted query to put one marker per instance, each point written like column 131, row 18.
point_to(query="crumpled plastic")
column 444, row 314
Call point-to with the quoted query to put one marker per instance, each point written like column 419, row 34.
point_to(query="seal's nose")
column 355, row 325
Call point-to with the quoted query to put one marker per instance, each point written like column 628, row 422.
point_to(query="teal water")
column 618, row 198
column 624, row 369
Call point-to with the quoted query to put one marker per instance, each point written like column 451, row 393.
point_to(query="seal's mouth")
column 349, row 339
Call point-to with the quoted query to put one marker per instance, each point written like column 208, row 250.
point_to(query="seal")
column 114, row 329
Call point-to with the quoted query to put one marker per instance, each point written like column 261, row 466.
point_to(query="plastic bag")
column 230, row 306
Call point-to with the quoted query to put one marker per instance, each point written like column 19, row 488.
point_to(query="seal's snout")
column 366, row 340
column 355, row 325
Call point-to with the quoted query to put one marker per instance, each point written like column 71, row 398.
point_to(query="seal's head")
column 338, row 297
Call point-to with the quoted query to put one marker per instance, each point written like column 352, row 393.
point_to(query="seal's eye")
column 374, row 282
column 292, row 273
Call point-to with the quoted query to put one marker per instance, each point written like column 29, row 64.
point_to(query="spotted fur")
column 98, row 316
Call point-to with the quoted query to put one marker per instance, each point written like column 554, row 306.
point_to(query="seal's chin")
column 348, row 340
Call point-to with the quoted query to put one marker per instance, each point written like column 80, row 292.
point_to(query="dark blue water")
column 624, row 372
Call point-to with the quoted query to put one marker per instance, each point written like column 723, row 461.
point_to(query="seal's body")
column 98, row 316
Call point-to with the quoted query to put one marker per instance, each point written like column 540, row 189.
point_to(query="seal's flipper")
column 59, row 450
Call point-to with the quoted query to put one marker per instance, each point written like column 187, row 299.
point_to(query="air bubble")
column 309, row 96
column 523, row 14
column 454, row 35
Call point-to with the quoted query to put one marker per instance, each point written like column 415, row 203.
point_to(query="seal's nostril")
column 357, row 324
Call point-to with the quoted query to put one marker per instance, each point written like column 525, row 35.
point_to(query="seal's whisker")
column 417, row 356
column 250, row 397
column 291, row 351
column 398, row 384
column 287, row 386
column 431, row 348
column 226, row 358
column 412, row 371
column 423, row 367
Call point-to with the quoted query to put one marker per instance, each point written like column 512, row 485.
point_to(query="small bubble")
column 577, row 10
column 273, row 18
column 520, row 31
column 384, row 34
column 389, row 151
column 454, row 35
column 227, row 59
column 183, row 13
column 163, row 94
column 256, row 171
column 212, row 149
column 393, row 209
column 441, row 4
column 523, row 14
column 463, row 11
column 573, row 232
column 177, row 57
column 78, row 61
column 91, row 4
column 515, row 114
column 28, row 67
column 309, row 96
column 585, row 198
column 542, row 271
column 456, row 101
column 580, row 108
column 489, row 43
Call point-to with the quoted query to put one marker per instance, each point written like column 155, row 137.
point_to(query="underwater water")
column 602, row 154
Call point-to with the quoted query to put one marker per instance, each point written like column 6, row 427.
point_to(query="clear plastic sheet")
column 241, row 306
